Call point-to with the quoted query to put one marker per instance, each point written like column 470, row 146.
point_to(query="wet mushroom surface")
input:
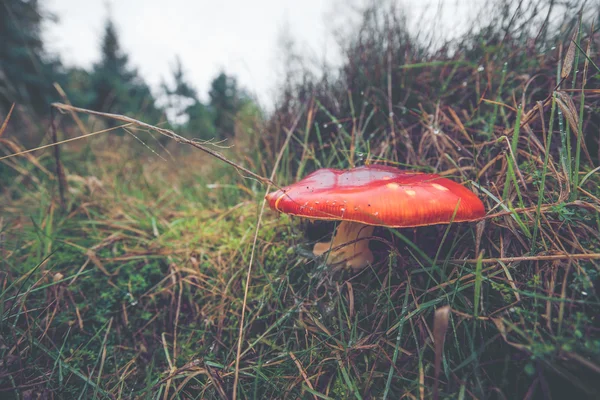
column 373, row 195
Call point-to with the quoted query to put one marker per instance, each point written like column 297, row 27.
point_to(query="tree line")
column 28, row 72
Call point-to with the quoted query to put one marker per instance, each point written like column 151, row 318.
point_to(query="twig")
column 170, row 134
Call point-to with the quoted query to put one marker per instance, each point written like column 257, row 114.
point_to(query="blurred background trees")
column 117, row 87
column 26, row 70
column 28, row 73
column 226, row 99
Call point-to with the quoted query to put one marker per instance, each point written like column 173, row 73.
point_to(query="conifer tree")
column 225, row 101
column 26, row 71
column 186, row 110
column 117, row 87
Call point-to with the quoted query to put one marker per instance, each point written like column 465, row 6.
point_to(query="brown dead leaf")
column 504, row 333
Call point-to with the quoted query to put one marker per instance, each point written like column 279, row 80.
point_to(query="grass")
column 136, row 287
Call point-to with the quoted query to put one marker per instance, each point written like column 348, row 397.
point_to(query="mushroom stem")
column 356, row 255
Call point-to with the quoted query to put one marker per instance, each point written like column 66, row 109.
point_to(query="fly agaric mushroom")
column 374, row 195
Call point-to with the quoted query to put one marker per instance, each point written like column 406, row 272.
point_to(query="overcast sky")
column 238, row 36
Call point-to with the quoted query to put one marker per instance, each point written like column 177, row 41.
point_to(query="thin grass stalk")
column 536, row 225
column 388, row 382
column 252, row 253
column 581, row 108
column 509, row 161
column 564, row 151
column 575, row 169
column 492, row 122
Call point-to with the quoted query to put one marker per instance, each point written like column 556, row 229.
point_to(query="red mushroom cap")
column 378, row 195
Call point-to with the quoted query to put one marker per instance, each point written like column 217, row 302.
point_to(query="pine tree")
column 179, row 96
column 185, row 110
column 117, row 87
column 111, row 75
column 26, row 70
column 225, row 101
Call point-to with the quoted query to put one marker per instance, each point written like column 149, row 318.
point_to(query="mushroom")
column 373, row 195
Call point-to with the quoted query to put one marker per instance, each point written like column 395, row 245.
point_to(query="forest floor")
column 155, row 271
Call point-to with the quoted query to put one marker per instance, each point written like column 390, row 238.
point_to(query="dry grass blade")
column 74, row 115
column 567, row 106
column 302, row 372
column 103, row 357
column 60, row 171
column 172, row 368
column 23, row 152
column 5, row 123
column 168, row 133
column 217, row 382
column 528, row 116
column 440, row 326
column 501, row 326
column 590, row 256
column 17, row 152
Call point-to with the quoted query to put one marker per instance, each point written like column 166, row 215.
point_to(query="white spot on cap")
column 411, row 193
column 392, row 185
column 439, row 187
